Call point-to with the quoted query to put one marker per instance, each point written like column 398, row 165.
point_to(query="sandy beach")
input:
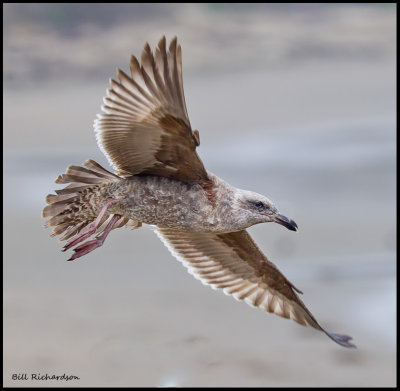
column 315, row 133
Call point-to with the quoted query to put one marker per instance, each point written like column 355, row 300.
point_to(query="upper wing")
column 144, row 127
column 233, row 262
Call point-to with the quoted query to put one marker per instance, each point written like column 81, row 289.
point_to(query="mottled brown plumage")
column 145, row 133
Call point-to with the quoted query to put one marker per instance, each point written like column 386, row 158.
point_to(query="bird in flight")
column 159, row 179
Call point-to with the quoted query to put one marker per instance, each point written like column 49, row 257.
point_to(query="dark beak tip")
column 288, row 223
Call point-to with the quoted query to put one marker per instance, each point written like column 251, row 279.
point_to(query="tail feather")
column 73, row 188
column 52, row 198
column 60, row 228
column 71, row 231
column 57, row 207
column 84, row 172
column 95, row 167
column 56, row 220
column 72, row 208
column 66, row 178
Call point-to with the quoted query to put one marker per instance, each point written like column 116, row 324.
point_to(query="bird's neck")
column 227, row 211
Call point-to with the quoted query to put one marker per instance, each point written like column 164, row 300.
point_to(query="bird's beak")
column 283, row 220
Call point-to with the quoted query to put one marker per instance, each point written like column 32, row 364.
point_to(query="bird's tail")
column 77, row 205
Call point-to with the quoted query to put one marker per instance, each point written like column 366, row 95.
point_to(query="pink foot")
column 90, row 229
column 91, row 245
column 82, row 236
column 86, row 248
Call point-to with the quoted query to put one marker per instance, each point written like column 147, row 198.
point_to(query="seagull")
column 145, row 133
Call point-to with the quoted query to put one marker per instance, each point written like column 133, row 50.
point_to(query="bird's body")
column 145, row 133
column 170, row 203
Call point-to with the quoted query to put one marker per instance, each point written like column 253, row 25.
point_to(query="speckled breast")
column 164, row 202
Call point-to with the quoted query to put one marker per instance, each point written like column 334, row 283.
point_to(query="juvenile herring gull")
column 145, row 133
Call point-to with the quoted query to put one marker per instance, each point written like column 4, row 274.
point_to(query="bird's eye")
column 259, row 204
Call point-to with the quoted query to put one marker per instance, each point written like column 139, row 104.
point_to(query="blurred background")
column 295, row 101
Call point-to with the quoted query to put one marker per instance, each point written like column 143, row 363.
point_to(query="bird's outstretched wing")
column 233, row 262
column 144, row 127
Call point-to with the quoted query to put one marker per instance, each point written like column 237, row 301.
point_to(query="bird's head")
column 256, row 208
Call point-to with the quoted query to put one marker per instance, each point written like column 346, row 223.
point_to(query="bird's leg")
column 89, row 229
column 91, row 245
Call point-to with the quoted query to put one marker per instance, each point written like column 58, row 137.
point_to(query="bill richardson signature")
column 41, row 376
